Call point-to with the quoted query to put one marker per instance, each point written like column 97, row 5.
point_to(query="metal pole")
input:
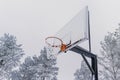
column 89, row 35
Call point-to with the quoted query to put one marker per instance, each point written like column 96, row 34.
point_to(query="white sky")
column 31, row 21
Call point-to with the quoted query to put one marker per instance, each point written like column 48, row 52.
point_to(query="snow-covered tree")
column 49, row 69
column 83, row 73
column 10, row 55
column 110, row 56
column 37, row 68
column 27, row 71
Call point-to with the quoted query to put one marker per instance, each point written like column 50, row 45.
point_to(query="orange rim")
column 53, row 38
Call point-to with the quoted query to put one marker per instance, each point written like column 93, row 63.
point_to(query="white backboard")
column 76, row 30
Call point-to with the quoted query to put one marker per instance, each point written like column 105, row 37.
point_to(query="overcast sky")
column 31, row 21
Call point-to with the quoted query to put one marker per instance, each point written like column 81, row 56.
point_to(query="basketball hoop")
column 56, row 42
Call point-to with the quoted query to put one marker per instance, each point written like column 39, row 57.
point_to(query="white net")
column 52, row 51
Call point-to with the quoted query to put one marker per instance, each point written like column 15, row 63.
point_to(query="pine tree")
column 110, row 56
column 37, row 68
column 10, row 55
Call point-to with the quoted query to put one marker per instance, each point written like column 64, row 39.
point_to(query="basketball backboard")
column 74, row 32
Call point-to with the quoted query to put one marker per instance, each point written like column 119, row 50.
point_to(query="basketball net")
column 52, row 52
column 55, row 45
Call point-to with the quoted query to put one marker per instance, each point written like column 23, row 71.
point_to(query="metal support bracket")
column 93, row 68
